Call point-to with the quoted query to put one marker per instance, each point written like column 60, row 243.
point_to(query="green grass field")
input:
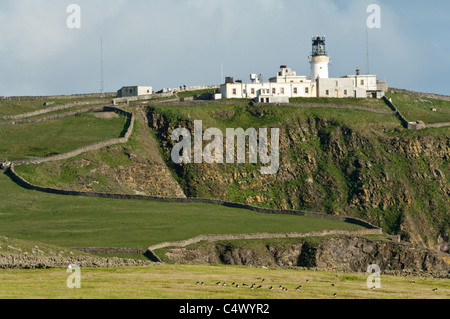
column 193, row 93
column 180, row 282
column 57, row 136
column 415, row 108
column 70, row 221
column 369, row 103
column 242, row 115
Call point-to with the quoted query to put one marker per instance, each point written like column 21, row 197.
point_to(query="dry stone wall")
column 338, row 106
column 421, row 94
column 24, row 183
column 20, row 261
column 52, row 97
column 53, row 117
column 92, row 147
column 49, row 110
column 418, row 125
column 214, row 238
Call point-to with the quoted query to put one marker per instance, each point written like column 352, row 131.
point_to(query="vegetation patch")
column 200, row 282
column 53, row 137
column 70, row 221
column 415, row 108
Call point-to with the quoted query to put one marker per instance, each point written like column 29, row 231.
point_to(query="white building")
column 287, row 84
column 128, row 91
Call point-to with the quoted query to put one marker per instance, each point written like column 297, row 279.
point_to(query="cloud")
column 171, row 43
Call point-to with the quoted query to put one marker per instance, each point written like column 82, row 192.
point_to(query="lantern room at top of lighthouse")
column 318, row 46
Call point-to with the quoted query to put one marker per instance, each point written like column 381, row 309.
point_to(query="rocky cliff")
column 394, row 178
column 344, row 254
column 20, row 261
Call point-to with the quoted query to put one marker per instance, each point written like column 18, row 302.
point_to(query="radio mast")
column 367, row 48
column 102, row 84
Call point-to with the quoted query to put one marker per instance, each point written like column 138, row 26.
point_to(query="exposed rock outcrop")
column 18, row 261
column 394, row 179
column 346, row 254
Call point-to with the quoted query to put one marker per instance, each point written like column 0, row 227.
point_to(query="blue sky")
column 184, row 42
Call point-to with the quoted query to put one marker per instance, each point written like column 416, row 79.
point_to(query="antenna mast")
column 102, row 84
column 367, row 48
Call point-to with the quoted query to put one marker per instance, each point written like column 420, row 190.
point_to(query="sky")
column 169, row 43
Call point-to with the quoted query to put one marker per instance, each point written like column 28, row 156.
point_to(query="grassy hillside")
column 57, row 136
column 369, row 103
column 20, row 106
column 180, row 282
column 335, row 161
column 196, row 93
column 95, row 222
column 415, row 108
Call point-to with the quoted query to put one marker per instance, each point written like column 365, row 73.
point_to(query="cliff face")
column 395, row 179
column 347, row 254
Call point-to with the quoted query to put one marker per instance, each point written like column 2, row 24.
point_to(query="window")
column 327, row 92
column 345, row 92
column 362, row 82
column 253, row 91
column 234, row 91
column 282, row 90
column 295, row 91
column 274, row 91
column 306, row 90
column 337, row 83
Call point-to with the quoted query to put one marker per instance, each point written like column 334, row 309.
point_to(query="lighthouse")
column 319, row 59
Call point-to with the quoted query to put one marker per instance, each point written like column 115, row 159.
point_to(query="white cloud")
column 171, row 43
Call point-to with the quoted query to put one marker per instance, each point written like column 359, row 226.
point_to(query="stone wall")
column 215, row 238
column 341, row 252
column 53, row 117
column 49, row 110
column 404, row 121
column 141, row 98
column 52, row 97
column 437, row 125
column 421, row 94
column 24, row 183
column 418, row 125
column 20, row 261
column 340, row 106
column 129, row 125
column 192, row 88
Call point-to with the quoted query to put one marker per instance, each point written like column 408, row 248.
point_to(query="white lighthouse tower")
column 319, row 59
